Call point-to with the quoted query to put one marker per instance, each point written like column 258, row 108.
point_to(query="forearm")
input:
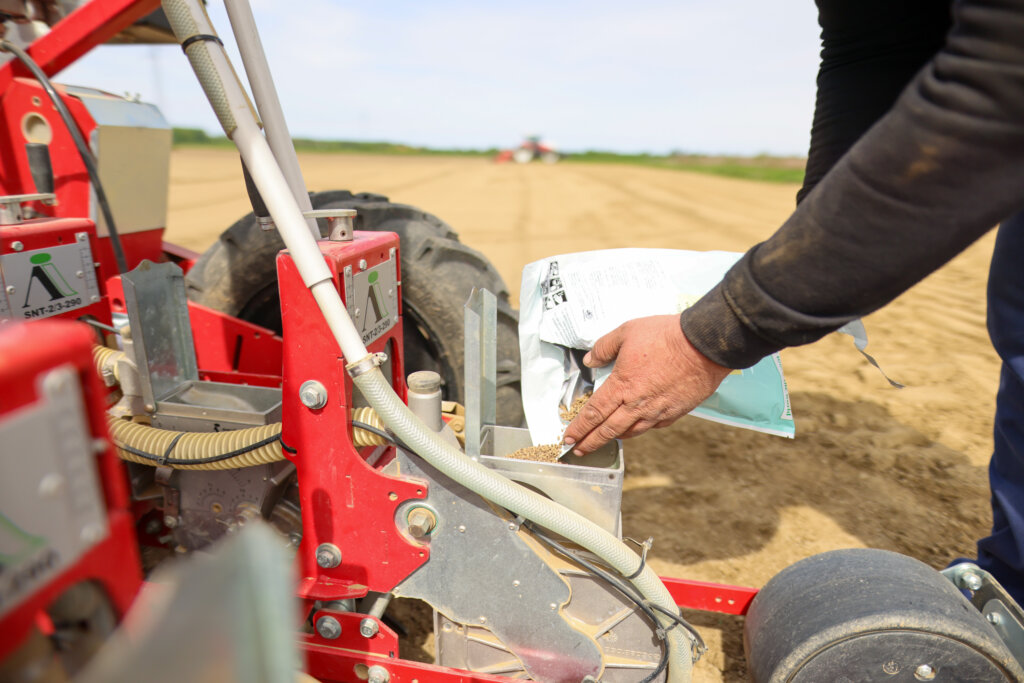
column 939, row 170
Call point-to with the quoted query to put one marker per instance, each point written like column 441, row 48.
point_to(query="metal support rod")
column 257, row 70
column 481, row 315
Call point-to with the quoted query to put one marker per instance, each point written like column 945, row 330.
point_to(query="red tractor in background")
column 531, row 149
column 308, row 373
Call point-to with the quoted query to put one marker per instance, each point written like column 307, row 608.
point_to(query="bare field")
column 871, row 466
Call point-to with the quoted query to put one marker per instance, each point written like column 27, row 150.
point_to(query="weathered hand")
column 658, row 377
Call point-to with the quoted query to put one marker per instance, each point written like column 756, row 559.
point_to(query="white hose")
column 243, row 24
column 522, row 501
column 188, row 18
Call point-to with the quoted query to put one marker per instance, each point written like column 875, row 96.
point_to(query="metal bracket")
column 481, row 316
column 992, row 600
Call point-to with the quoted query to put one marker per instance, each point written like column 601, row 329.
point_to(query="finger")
column 617, row 424
column 601, row 405
column 639, row 428
column 605, row 349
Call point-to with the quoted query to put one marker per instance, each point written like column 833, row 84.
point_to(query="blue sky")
column 712, row 76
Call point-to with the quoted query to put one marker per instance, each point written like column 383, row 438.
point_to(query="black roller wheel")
column 238, row 275
column 870, row 615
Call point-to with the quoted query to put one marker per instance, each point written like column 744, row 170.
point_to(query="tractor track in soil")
column 903, row 470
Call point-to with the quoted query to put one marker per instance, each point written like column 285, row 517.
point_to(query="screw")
column 149, row 407
column 421, row 522
column 170, row 521
column 362, row 264
column 972, row 581
column 328, row 627
column 94, row 298
column 92, row 533
column 553, row 606
column 515, row 583
column 462, row 528
column 17, row 246
column 313, row 394
column 378, row 674
column 994, row 618
column 81, row 236
column 368, row 628
column 51, row 486
column 10, row 289
column 924, row 673
column 79, row 274
column 328, row 556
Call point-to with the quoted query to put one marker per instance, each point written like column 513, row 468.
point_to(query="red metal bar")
column 328, row 663
column 226, row 344
column 183, row 257
column 710, row 597
column 90, row 25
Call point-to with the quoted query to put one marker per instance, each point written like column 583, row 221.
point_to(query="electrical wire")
column 616, row 583
column 381, row 433
column 163, row 460
column 83, row 149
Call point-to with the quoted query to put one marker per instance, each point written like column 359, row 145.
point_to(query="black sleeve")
column 940, row 169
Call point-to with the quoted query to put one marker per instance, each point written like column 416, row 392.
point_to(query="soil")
column 871, row 465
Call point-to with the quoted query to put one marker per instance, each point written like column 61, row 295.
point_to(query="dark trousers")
column 1002, row 553
column 870, row 50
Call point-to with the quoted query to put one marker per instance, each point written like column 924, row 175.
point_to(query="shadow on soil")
column 707, row 492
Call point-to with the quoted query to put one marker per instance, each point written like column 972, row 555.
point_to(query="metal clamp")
column 370, row 362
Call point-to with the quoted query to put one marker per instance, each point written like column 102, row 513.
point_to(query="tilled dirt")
column 871, row 466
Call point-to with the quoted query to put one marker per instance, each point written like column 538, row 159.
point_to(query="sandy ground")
column 871, row 466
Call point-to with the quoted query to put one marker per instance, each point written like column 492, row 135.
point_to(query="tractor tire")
column 238, row 275
column 870, row 615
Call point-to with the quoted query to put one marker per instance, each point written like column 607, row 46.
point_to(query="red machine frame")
column 347, row 502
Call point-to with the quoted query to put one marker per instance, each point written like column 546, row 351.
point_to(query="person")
column 917, row 150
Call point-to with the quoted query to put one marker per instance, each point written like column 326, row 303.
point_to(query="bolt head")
column 313, row 394
column 994, row 618
column 378, row 674
column 170, row 521
column 924, row 673
column 421, row 522
column 17, row 246
column 328, row 627
column 362, row 264
column 368, row 628
column 972, row 581
column 10, row 289
column 328, row 556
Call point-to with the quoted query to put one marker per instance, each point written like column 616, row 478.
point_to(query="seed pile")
column 550, row 452
column 569, row 414
column 546, row 453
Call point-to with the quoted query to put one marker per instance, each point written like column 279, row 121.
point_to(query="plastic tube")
column 188, row 18
column 521, row 501
column 243, row 24
column 195, row 445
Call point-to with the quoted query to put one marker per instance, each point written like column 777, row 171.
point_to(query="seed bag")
column 567, row 302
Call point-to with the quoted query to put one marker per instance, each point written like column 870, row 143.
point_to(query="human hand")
column 658, row 377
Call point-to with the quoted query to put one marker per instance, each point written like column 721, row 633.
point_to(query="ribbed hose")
column 534, row 507
column 195, row 445
column 104, row 358
column 362, row 437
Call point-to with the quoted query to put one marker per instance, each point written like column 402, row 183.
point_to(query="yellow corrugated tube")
column 196, row 450
column 362, row 437
column 101, row 356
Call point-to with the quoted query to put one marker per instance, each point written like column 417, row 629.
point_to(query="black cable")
column 83, row 149
column 381, row 433
column 162, row 460
column 627, row 590
column 98, row 324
